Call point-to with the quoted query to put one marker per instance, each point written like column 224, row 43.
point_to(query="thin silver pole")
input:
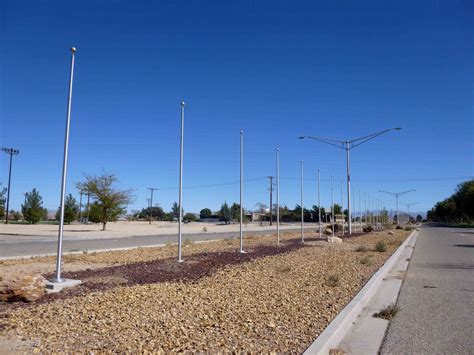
column 398, row 214
column 278, row 193
column 302, row 207
column 353, row 195
column 64, row 173
column 342, row 207
column 360, row 213
column 181, row 152
column 332, row 207
column 319, row 201
column 365, row 208
column 241, row 191
column 349, row 210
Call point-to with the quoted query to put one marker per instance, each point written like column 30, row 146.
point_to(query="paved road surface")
column 28, row 245
column 437, row 297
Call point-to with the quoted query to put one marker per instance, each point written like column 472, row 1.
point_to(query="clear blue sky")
column 276, row 69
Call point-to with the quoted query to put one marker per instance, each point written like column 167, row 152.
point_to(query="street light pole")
column 64, row 173
column 278, row 193
column 408, row 208
column 181, row 152
column 12, row 152
column 349, row 145
column 397, row 194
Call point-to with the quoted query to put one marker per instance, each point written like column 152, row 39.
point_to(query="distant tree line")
column 458, row 208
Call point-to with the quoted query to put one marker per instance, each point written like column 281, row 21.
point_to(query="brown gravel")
column 269, row 300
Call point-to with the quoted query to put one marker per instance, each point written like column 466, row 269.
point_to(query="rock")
column 21, row 287
column 328, row 231
column 391, row 233
column 334, row 240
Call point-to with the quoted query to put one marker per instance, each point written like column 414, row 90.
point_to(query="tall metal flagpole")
column 332, row 208
column 241, row 191
column 360, row 213
column 342, row 206
column 278, row 193
column 57, row 277
column 180, row 204
column 319, row 201
column 302, row 208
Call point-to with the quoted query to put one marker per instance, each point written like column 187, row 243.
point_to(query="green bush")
column 368, row 228
column 381, row 247
column 361, row 248
column 366, row 260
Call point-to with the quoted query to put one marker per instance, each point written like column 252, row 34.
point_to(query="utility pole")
column 12, row 152
column 88, row 206
column 271, row 197
column 152, row 189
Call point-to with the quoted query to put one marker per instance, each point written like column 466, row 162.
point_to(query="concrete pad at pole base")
column 55, row 286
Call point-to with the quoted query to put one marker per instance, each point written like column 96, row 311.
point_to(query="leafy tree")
column 419, row 218
column 110, row 202
column 315, row 211
column 205, row 213
column 156, row 213
column 32, row 209
column 190, row 217
column 235, row 213
column 71, row 209
column 337, row 209
column 3, row 201
column 224, row 213
column 297, row 214
column 175, row 210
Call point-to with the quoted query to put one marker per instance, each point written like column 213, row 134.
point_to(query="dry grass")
column 388, row 312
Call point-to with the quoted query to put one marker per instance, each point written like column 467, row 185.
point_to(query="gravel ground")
column 272, row 299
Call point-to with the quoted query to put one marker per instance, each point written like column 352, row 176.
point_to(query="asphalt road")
column 437, row 297
column 28, row 246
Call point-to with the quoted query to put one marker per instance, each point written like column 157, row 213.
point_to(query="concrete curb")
column 337, row 329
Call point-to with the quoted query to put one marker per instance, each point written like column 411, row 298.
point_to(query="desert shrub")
column 368, row 228
column 398, row 227
column 409, row 228
column 332, row 281
column 381, row 247
column 366, row 260
column 361, row 248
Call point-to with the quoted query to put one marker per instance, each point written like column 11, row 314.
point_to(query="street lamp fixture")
column 347, row 145
column 397, row 194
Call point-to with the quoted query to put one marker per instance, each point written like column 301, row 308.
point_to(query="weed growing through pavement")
column 332, row 281
column 381, row 247
column 388, row 312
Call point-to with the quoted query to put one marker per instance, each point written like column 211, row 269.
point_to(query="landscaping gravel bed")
column 272, row 299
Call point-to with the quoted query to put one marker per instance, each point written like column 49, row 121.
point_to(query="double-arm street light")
column 347, row 145
column 397, row 194
column 408, row 205
column 12, row 152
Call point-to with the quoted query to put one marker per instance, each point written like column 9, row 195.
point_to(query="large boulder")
column 21, row 287
column 334, row 240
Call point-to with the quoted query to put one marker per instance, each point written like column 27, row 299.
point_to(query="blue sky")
column 275, row 69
